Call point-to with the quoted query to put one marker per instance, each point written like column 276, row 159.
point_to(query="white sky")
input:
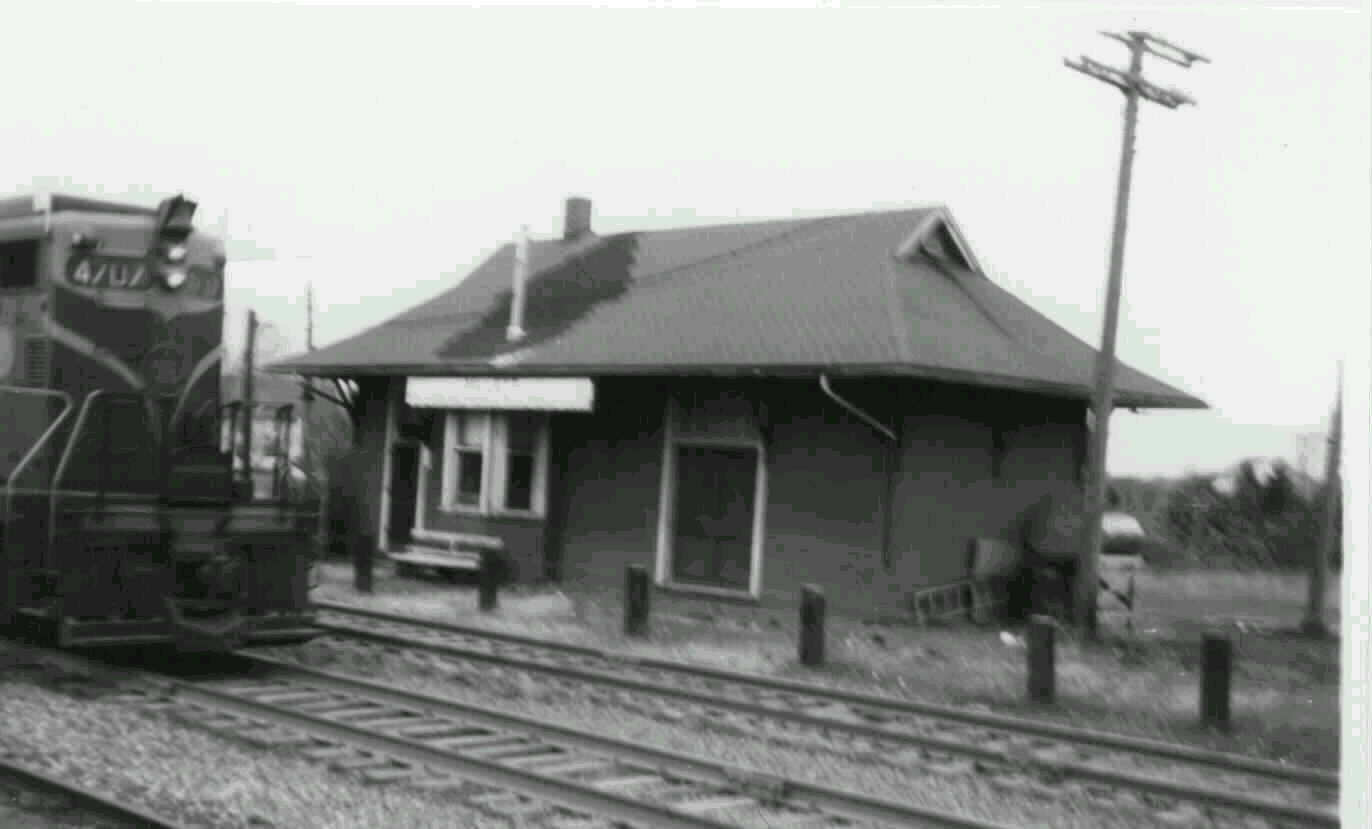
column 398, row 147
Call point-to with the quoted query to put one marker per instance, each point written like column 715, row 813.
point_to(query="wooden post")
column 1314, row 624
column 1042, row 672
column 1216, row 667
column 487, row 585
column 356, row 536
column 245, row 451
column 636, row 598
column 811, row 625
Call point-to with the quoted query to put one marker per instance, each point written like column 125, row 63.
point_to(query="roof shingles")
column 808, row 294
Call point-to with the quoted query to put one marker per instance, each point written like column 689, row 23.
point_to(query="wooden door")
column 714, row 516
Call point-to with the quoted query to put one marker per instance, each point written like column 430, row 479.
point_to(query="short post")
column 363, row 562
column 811, row 625
column 1216, row 667
column 487, row 582
column 1042, row 674
column 636, row 600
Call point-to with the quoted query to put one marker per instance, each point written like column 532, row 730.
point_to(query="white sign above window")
column 542, row 394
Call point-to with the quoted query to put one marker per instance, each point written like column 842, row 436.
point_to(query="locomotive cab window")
column 18, row 264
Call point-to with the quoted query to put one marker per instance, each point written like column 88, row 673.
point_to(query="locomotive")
column 121, row 519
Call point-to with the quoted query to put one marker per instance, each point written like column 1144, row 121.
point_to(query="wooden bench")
column 450, row 554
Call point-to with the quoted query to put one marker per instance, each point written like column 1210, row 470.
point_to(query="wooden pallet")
column 963, row 600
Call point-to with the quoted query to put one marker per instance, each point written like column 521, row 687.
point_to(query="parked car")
column 1123, row 534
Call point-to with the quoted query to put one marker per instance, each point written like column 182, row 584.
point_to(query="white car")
column 1124, row 535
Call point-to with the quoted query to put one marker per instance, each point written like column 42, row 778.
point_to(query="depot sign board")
column 543, row 394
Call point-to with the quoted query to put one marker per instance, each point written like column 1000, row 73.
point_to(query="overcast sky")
column 398, row 147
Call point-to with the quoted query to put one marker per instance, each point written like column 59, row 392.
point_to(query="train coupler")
column 200, row 626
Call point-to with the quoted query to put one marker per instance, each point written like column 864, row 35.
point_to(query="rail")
column 408, row 733
column 84, row 798
column 884, row 720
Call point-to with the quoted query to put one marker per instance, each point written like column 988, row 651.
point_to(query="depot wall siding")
column 826, row 484
column 943, row 495
column 1042, row 456
column 611, row 480
column 948, row 490
column 824, row 519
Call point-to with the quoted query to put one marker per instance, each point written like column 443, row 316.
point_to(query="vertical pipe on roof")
column 515, row 331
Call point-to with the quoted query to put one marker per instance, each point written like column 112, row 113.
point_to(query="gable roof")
column 894, row 293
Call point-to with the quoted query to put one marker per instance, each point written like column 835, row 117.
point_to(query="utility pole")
column 247, row 408
column 1314, row 625
column 1134, row 87
column 307, row 389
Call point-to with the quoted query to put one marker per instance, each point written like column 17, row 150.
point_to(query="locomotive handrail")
column 43, row 439
column 102, row 484
column 76, row 432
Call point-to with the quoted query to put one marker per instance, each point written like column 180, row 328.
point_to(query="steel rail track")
column 84, row 798
column 879, row 714
column 411, row 735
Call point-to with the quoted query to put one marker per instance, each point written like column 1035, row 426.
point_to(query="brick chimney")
column 578, row 219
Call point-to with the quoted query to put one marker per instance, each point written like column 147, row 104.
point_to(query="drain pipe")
column 854, row 410
column 890, row 466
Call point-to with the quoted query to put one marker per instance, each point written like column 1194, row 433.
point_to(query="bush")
column 1261, row 525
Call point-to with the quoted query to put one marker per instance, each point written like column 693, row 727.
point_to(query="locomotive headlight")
column 176, row 253
column 174, row 278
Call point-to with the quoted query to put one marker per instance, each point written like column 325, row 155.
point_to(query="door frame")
column 667, row 505
column 416, row 522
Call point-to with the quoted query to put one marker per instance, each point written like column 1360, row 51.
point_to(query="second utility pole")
column 247, row 408
column 1134, row 87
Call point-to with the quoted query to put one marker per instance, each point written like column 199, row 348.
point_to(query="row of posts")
column 1216, row 650
column 1216, row 672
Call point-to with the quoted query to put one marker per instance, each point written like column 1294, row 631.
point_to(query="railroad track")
column 1110, row 769
column 32, row 797
column 61, row 803
column 521, row 769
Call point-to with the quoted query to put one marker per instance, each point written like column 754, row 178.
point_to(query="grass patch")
column 1285, row 688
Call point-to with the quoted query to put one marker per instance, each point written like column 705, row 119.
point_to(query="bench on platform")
column 451, row 554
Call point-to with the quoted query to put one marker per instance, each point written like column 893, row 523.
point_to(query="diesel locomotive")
column 121, row 519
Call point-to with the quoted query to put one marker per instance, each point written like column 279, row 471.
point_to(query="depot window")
column 495, row 463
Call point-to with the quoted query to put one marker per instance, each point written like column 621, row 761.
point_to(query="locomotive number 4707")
column 95, row 273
